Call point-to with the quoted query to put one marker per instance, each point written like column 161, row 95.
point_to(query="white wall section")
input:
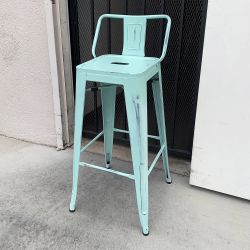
column 221, row 151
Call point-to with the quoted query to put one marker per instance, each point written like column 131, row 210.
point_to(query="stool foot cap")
column 72, row 211
column 145, row 234
column 108, row 165
column 169, row 180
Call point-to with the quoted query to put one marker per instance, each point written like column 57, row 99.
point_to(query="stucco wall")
column 26, row 100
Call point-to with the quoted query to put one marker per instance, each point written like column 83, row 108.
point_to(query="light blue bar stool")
column 131, row 70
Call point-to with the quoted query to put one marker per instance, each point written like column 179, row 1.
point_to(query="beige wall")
column 26, row 100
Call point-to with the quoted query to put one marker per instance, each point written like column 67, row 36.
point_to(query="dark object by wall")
column 180, row 69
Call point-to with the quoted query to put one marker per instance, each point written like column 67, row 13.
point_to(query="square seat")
column 120, row 64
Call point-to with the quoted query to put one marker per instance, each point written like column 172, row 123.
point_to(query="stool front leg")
column 136, row 105
column 79, row 111
column 108, row 113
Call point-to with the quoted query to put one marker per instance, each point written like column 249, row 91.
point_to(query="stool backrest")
column 134, row 29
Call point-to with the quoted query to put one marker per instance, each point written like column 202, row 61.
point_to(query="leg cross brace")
column 130, row 176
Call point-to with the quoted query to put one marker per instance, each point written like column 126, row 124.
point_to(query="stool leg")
column 79, row 110
column 136, row 105
column 159, row 108
column 108, row 113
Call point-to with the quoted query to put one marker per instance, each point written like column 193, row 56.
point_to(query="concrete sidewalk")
column 35, row 187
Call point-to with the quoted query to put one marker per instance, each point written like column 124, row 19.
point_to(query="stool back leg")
column 136, row 105
column 159, row 108
column 79, row 111
column 108, row 113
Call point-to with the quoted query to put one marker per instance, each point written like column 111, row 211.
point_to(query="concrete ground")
column 35, row 187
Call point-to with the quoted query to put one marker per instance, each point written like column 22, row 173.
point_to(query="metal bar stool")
column 131, row 70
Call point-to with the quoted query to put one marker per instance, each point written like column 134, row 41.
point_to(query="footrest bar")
column 91, row 142
column 127, row 132
column 84, row 164
column 155, row 160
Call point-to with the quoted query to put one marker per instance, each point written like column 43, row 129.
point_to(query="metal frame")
column 133, row 78
column 125, row 17
column 130, row 176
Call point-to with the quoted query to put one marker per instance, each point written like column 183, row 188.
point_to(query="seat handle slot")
column 120, row 63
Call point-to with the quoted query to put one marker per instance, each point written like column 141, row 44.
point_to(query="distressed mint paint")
column 131, row 70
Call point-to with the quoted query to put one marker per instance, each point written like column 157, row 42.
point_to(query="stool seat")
column 129, row 65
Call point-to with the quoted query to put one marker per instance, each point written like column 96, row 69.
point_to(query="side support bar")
column 155, row 160
column 84, row 164
column 130, row 176
column 91, row 142
column 127, row 132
